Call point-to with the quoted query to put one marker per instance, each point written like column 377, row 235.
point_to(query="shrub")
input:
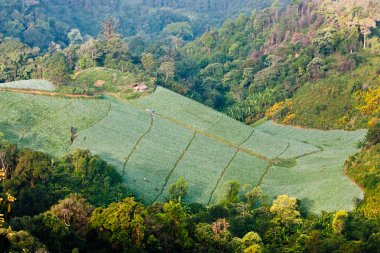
column 373, row 135
column 289, row 118
column 339, row 221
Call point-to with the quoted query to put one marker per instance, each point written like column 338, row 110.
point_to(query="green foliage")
column 75, row 36
column 251, row 239
column 334, row 104
column 265, row 77
column 231, row 193
column 36, row 173
column 19, row 241
column 364, row 168
column 14, row 63
column 282, row 49
column 39, row 23
column 316, row 68
column 56, row 68
column 325, row 41
column 286, row 210
column 148, row 62
column 173, row 220
column 178, row 190
column 74, row 211
column 207, row 241
column 59, row 238
column 254, row 106
column 339, row 221
column 373, row 135
column 180, row 29
column 120, row 224
column 167, row 68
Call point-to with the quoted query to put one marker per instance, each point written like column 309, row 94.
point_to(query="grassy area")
column 43, row 85
column 104, row 79
column 109, row 79
column 184, row 138
column 333, row 103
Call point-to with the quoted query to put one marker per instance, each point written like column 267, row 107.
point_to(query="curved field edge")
column 171, row 148
column 333, row 190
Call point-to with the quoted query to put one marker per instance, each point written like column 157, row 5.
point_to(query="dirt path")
column 270, row 166
column 138, row 142
column 222, row 175
column 175, row 166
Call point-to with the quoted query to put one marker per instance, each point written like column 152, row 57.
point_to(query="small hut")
column 140, row 87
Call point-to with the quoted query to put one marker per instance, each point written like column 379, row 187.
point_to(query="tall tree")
column 173, row 221
column 178, row 190
column 75, row 37
column 167, row 68
column 286, row 210
column 147, row 61
column 109, row 28
column 120, row 224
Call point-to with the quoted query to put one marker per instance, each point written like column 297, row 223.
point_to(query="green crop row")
column 43, row 85
column 183, row 138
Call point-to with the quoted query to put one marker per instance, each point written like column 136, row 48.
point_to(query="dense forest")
column 253, row 61
column 38, row 23
column 311, row 63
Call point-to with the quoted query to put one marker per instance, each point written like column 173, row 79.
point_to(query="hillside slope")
column 254, row 61
column 348, row 100
column 154, row 140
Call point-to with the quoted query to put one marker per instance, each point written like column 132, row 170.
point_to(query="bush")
column 373, row 135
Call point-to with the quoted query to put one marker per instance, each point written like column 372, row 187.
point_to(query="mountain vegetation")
column 98, row 153
column 38, row 23
column 254, row 61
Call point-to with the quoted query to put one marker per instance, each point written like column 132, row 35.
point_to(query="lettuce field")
column 43, row 85
column 152, row 141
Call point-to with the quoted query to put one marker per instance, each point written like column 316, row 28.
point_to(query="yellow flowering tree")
column 6, row 199
column 369, row 104
column 5, row 207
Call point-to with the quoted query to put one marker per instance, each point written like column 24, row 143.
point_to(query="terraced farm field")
column 44, row 85
column 154, row 140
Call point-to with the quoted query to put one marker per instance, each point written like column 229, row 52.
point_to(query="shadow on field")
column 306, row 205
